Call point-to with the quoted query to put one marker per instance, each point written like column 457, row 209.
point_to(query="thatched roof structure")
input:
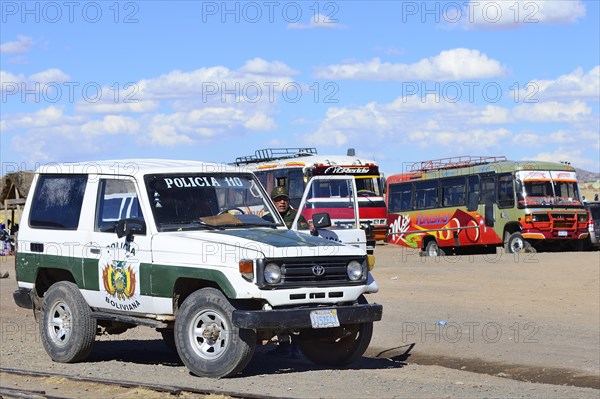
column 14, row 190
column 15, row 185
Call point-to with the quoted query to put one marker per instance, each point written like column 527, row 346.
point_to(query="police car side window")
column 117, row 200
column 57, row 202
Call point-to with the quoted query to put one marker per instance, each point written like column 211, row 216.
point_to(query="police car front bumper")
column 300, row 318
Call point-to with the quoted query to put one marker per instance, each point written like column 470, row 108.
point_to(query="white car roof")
column 137, row 167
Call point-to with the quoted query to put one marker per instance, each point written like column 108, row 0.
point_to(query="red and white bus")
column 293, row 168
column 472, row 204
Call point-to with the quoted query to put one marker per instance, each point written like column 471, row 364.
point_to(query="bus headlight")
column 355, row 270
column 272, row 273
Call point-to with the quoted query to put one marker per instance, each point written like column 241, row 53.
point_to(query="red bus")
column 293, row 167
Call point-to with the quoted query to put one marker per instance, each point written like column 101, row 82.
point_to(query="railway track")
column 171, row 391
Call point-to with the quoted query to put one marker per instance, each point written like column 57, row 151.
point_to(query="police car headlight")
column 355, row 270
column 272, row 273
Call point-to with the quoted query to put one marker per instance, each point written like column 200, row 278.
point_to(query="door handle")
column 95, row 250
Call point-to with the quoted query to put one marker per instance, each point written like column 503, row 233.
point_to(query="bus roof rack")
column 271, row 154
column 454, row 162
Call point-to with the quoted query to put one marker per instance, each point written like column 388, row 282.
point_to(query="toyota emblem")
column 318, row 270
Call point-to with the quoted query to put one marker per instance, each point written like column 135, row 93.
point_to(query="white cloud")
column 196, row 116
column 166, row 135
column 492, row 115
column 22, row 45
column 565, row 154
column 220, row 84
column 577, row 84
column 260, row 121
column 527, row 140
column 116, row 107
column 498, row 14
column 258, row 66
column 110, row 125
column 410, row 120
column 43, row 118
column 318, row 21
column 38, row 86
column 552, row 111
column 53, row 75
column 558, row 137
column 216, row 123
column 454, row 64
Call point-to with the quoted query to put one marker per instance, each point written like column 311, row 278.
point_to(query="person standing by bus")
column 281, row 199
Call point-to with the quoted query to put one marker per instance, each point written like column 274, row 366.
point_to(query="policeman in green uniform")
column 281, row 199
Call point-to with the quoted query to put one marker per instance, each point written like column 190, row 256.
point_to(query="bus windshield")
column 368, row 186
column 548, row 193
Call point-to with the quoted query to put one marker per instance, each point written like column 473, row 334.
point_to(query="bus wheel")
column 516, row 243
column 433, row 249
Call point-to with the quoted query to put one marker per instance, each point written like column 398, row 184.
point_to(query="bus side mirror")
column 320, row 221
column 473, row 202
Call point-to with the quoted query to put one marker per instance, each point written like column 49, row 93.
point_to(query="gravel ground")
column 523, row 326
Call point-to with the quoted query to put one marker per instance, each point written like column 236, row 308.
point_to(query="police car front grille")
column 302, row 272
column 311, row 272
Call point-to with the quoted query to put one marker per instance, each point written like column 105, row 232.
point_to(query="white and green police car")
column 195, row 250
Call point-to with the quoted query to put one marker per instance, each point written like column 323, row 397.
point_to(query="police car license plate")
column 324, row 318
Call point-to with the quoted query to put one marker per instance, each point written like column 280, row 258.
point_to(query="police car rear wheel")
column 66, row 327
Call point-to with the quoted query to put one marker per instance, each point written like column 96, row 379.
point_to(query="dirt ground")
column 504, row 325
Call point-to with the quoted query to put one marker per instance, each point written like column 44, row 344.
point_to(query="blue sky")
column 399, row 81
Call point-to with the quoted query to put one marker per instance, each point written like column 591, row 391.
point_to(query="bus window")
column 426, row 194
column 506, row 194
column 400, row 197
column 262, row 177
column 488, row 192
column 473, row 192
column 295, row 186
column 453, row 191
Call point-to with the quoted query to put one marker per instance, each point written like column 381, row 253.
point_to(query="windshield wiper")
column 271, row 225
column 182, row 226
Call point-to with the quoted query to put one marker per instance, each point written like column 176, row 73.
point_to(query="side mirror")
column 320, row 221
column 368, row 228
column 129, row 227
column 472, row 202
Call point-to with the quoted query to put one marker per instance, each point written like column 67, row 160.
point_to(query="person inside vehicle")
column 281, row 199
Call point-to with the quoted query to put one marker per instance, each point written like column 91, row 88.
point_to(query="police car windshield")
column 196, row 201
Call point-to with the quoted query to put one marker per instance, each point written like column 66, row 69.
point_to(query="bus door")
column 488, row 196
column 335, row 195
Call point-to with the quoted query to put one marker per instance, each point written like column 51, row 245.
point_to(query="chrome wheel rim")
column 60, row 323
column 208, row 334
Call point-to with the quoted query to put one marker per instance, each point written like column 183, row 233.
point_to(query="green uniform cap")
column 279, row 191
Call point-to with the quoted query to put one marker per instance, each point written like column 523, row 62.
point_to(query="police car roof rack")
column 454, row 162
column 270, row 154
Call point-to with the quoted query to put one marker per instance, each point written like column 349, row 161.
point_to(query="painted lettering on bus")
column 399, row 227
column 428, row 220
column 342, row 170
